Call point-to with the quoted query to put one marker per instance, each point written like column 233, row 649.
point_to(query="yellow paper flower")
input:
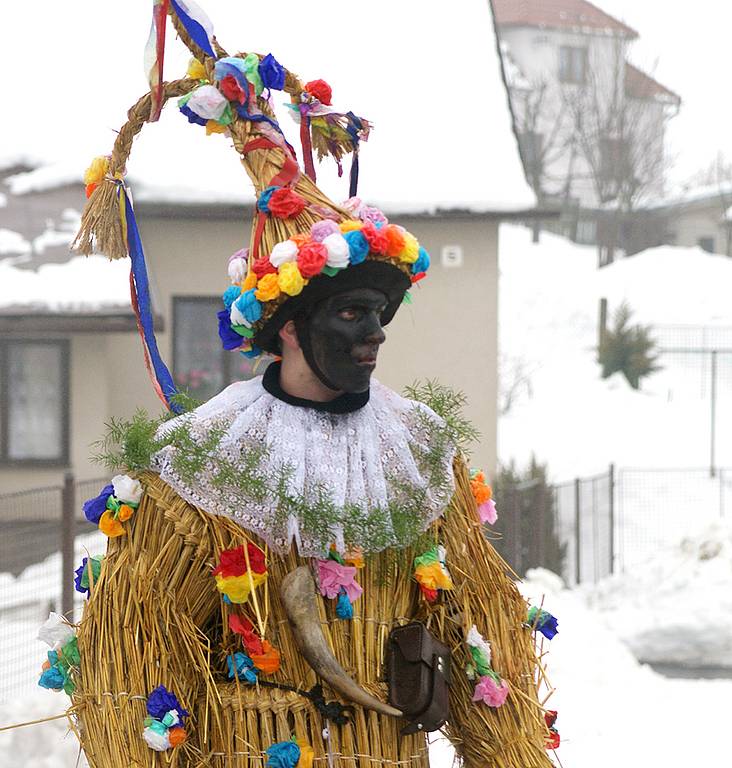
column 290, row 280
column 97, row 170
column 307, row 754
column 109, row 526
column 196, row 70
column 213, row 127
column 250, row 281
column 350, row 225
column 238, row 588
column 268, row 287
column 410, row 254
column 433, row 576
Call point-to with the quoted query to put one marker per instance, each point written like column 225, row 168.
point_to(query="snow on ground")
column 675, row 608
column 82, row 284
column 613, row 711
column 568, row 416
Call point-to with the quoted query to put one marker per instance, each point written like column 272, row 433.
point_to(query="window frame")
column 63, row 459
column 567, row 75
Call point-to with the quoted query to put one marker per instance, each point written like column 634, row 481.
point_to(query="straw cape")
column 241, row 614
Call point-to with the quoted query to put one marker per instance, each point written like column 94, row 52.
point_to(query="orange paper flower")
column 177, row 736
column 125, row 512
column 267, row 662
column 109, row 526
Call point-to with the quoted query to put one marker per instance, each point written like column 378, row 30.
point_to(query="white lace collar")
column 372, row 478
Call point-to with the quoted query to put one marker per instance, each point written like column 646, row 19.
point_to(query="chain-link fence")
column 41, row 543
column 567, row 528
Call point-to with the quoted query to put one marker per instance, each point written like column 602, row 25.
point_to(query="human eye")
column 348, row 313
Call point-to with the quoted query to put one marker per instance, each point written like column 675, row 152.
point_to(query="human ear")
column 288, row 335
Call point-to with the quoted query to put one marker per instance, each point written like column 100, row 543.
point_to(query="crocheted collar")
column 345, row 403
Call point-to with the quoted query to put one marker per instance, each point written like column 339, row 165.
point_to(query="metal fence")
column 41, row 543
column 567, row 528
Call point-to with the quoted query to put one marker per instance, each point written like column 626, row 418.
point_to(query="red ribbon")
column 307, row 147
column 160, row 16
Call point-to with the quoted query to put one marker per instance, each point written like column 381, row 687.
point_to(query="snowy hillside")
column 562, row 411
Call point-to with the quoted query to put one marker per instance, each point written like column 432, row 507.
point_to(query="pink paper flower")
column 332, row 576
column 490, row 692
column 487, row 512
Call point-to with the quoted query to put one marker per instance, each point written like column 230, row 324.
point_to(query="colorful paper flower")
column 480, row 651
column 156, row 740
column 481, row 490
column 338, row 251
column 56, row 631
column 241, row 667
column 272, row 73
column 286, row 203
column 320, row 90
column 229, row 337
column 177, row 736
column 249, row 306
column 231, row 294
column 283, row 253
column 264, row 198
column 82, row 582
column 97, row 170
column 263, row 266
column 395, row 241
column 487, row 512
column 431, row 572
column 350, row 225
column 410, row 252
column 290, row 280
column 311, row 259
column 161, row 701
column 233, row 579
column 423, row 262
column 553, row 740
column 358, row 247
column 542, row 621
column 268, row 661
column 207, row 102
column 283, row 754
column 251, row 72
column 375, row 238
column 490, row 691
column 230, row 87
column 344, row 609
column 164, row 725
column 237, row 268
column 332, row 576
column 268, row 287
column 321, row 229
column 250, row 281
column 94, row 508
column 196, row 70
column 127, row 490
column 110, row 526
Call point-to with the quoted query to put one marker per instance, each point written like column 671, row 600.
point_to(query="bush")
column 628, row 349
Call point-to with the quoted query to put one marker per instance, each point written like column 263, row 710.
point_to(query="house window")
column 201, row 367
column 706, row 244
column 572, row 64
column 34, row 397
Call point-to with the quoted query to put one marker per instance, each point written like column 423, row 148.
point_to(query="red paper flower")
column 550, row 717
column 430, row 595
column 263, row 266
column 233, row 562
column 285, row 204
column 376, row 238
column 311, row 259
column 320, row 90
column 240, row 625
column 232, row 90
column 553, row 740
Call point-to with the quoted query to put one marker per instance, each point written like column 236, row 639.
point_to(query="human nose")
column 374, row 333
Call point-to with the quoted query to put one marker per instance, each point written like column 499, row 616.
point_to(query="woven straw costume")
column 373, row 504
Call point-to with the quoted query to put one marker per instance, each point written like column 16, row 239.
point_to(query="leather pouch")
column 418, row 672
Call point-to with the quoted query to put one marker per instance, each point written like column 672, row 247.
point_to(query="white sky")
column 425, row 73
column 688, row 48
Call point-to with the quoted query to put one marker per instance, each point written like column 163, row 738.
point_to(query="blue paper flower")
column 229, row 337
column 284, row 754
column 241, row 667
column 52, row 678
column 423, row 262
column 543, row 622
column 81, row 582
column 231, row 294
column 192, row 116
column 344, row 609
column 161, row 701
column 358, row 247
column 272, row 73
column 94, row 508
column 255, row 351
column 249, row 306
column 263, row 199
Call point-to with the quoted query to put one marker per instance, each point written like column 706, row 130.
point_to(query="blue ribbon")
column 354, row 126
column 142, row 288
column 197, row 33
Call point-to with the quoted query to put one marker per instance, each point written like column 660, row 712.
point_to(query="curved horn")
column 298, row 596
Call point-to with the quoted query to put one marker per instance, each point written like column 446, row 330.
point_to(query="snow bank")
column 676, row 608
column 83, row 284
column 565, row 414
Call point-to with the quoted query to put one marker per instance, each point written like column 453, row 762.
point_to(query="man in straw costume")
column 297, row 571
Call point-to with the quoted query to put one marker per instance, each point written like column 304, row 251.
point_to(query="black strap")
column 330, row 710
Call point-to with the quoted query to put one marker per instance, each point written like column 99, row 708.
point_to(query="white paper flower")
column 207, row 102
column 127, row 489
column 55, row 631
column 337, row 251
column 157, row 741
column 171, row 718
column 282, row 253
column 237, row 270
column 237, row 318
column 476, row 640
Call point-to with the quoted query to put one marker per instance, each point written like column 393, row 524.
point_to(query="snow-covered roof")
column 82, row 285
column 428, row 76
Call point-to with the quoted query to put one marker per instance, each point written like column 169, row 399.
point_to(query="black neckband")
column 345, row 403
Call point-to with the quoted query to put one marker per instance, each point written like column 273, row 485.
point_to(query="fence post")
column 68, row 531
column 577, row 531
column 611, row 483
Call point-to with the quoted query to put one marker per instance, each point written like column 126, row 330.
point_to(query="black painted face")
column 344, row 334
